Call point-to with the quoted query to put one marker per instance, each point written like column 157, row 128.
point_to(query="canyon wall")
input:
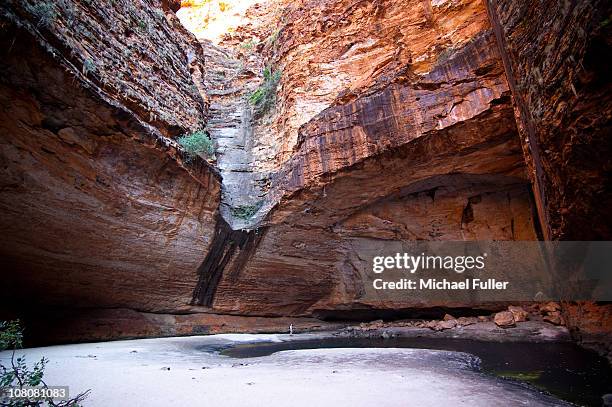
column 412, row 137
column 559, row 79
column 393, row 120
column 98, row 207
column 557, row 58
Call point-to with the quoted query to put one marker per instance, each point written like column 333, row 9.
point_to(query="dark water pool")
column 562, row 369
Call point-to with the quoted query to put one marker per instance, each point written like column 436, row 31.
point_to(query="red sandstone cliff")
column 394, row 120
column 97, row 207
column 412, row 137
column 557, row 62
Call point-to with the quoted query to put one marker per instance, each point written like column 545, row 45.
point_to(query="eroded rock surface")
column 230, row 123
column 393, row 120
column 558, row 73
column 591, row 325
column 429, row 150
column 98, row 209
column 561, row 87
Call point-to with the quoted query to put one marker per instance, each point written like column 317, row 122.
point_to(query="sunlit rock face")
column 98, row 209
column 213, row 20
column 394, row 126
column 334, row 52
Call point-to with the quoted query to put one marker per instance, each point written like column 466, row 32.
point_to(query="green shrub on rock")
column 264, row 98
column 196, row 144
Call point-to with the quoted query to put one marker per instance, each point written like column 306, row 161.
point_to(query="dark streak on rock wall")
column 228, row 253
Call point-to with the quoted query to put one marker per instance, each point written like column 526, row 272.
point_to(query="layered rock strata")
column 98, row 207
column 393, row 120
column 558, row 73
column 559, row 79
column 429, row 150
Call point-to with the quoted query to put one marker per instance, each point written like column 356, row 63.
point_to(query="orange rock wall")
column 424, row 148
column 98, row 209
column 394, row 120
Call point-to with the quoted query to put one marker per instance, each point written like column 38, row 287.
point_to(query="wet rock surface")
column 229, row 80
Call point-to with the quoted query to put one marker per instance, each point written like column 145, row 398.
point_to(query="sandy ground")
column 134, row 373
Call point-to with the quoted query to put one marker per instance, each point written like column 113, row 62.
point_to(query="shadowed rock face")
column 97, row 207
column 559, row 76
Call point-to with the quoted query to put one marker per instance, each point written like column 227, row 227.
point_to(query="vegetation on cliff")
column 264, row 98
column 197, row 143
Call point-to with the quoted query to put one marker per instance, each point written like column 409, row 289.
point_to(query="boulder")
column 520, row 315
column 504, row 319
column 554, row 318
column 550, row 307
